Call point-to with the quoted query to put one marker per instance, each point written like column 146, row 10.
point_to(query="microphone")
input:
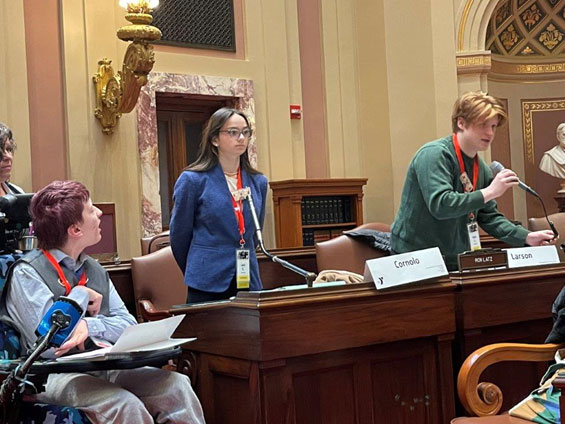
column 55, row 327
column 496, row 167
column 62, row 318
column 308, row 276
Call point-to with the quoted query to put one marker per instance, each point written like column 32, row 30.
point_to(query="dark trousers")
column 195, row 295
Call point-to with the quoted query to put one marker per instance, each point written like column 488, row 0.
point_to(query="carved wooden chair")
column 483, row 400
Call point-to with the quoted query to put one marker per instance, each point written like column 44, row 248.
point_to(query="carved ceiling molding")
column 527, row 29
column 536, row 72
column 473, row 63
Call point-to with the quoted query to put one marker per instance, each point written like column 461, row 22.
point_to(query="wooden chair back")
column 344, row 253
column 158, row 284
column 154, row 243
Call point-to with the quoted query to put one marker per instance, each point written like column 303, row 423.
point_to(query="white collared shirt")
column 29, row 299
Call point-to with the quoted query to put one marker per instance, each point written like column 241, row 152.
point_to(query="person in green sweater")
column 449, row 191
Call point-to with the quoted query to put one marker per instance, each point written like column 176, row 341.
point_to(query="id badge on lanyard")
column 468, row 187
column 243, row 274
column 242, row 266
column 474, row 237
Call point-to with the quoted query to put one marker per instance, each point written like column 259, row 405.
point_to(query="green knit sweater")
column 434, row 209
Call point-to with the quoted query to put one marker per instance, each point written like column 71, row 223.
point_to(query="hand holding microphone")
column 535, row 238
column 497, row 168
column 502, row 181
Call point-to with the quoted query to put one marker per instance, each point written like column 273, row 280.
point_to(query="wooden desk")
column 506, row 306
column 272, row 274
column 345, row 354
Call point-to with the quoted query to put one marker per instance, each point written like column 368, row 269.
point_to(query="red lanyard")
column 462, row 165
column 62, row 279
column 238, row 209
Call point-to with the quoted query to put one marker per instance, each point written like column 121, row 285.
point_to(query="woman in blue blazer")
column 209, row 227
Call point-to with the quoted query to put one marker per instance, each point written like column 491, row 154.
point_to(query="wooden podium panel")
column 506, row 306
column 345, row 354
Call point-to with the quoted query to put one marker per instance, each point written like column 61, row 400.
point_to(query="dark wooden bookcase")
column 316, row 207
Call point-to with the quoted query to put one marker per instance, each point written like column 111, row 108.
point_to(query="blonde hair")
column 476, row 106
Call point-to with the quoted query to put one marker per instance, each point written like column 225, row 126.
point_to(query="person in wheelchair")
column 66, row 222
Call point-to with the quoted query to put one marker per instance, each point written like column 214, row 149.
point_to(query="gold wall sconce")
column 117, row 93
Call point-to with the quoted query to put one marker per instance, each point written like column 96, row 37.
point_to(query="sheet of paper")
column 144, row 337
column 147, row 333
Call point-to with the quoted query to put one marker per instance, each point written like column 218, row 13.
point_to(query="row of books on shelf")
column 312, row 236
column 326, row 210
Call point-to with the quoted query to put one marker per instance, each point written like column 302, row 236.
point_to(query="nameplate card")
column 532, row 256
column 405, row 268
column 481, row 259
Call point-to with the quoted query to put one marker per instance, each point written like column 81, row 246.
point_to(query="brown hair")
column 476, row 106
column 208, row 153
column 5, row 137
column 54, row 209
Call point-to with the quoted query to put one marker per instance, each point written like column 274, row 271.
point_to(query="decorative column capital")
column 477, row 62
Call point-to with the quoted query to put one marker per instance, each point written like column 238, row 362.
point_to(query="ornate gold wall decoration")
column 536, row 25
column 117, row 93
column 544, row 68
column 502, row 13
column 467, row 64
column 528, row 109
column 509, row 37
column 551, row 37
column 531, row 16
column 530, row 41
column 536, row 72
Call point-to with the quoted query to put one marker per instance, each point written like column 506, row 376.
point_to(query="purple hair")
column 54, row 209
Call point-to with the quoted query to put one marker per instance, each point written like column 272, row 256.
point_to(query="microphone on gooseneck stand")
column 53, row 330
column 496, row 167
column 309, row 276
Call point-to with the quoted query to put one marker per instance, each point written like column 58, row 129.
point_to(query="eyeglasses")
column 235, row 133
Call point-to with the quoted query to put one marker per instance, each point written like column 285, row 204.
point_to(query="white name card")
column 405, row 268
column 532, row 256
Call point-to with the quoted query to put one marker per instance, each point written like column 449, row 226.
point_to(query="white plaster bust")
column 553, row 161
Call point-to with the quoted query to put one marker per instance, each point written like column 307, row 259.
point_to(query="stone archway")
column 471, row 23
column 473, row 60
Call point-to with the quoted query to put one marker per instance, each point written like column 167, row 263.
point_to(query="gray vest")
column 96, row 274
column 98, row 280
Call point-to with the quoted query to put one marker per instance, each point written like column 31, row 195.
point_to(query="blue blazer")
column 204, row 231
